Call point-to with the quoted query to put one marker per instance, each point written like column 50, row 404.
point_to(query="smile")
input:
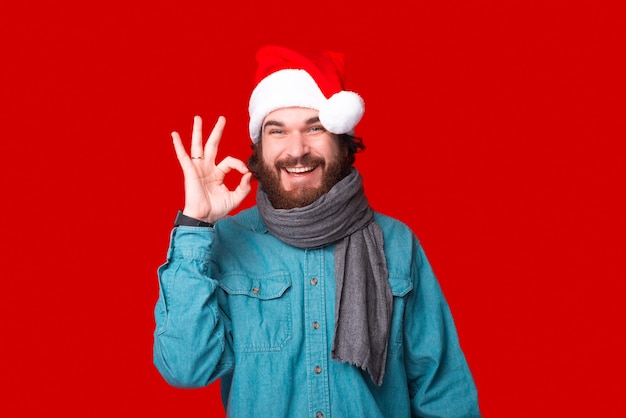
column 298, row 170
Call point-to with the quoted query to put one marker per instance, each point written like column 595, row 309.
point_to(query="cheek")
column 268, row 155
column 268, row 159
column 334, row 153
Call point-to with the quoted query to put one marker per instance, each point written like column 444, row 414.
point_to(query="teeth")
column 298, row 169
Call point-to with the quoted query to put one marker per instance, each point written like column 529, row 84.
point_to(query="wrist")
column 184, row 220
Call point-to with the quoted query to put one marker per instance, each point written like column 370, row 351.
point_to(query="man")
column 309, row 304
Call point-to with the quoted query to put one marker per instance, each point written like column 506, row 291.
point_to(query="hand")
column 206, row 196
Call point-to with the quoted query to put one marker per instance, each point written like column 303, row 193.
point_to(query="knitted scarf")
column 364, row 301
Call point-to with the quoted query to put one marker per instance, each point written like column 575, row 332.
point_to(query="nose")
column 297, row 145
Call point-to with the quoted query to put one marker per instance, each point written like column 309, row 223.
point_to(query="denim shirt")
column 237, row 304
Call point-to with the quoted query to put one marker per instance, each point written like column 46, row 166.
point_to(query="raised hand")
column 206, row 196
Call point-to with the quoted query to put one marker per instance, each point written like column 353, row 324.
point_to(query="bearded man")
column 310, row 303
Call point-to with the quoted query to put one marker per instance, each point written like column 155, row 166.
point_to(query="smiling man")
column 298, row 160
column 310, row 303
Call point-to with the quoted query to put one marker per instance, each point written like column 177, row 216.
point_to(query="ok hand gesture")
column 206, row 196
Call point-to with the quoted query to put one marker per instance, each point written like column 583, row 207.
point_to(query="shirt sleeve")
column 440, row 381
column 191, row 338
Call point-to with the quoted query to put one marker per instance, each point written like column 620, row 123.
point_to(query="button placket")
column 316, row 339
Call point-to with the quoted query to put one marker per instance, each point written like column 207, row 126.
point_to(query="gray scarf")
column 364, row 302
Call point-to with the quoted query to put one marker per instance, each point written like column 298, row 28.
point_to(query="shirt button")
column 316, row 325
column 313, row 281
column 255, row 290
column 319, row 415
column 317, row 370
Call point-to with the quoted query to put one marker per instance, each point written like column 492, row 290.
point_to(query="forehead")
column 291, row 115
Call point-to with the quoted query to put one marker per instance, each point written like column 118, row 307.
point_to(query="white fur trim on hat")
column 296, row 88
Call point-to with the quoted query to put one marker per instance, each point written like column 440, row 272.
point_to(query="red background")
column 495, row 129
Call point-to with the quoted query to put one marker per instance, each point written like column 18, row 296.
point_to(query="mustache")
column 305, row 161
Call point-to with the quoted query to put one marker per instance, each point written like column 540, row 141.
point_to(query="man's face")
column 300, row 158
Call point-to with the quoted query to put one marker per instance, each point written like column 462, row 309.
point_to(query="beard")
column 269, row 178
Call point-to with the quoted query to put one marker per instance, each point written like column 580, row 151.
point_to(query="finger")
column 244, row 186
column 212, row 143
column 179, row 148
column 230, row 163
column 196, row 137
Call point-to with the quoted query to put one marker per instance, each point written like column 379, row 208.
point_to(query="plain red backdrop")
column 495, row 129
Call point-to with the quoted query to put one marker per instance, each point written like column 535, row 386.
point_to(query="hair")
column 349, row 145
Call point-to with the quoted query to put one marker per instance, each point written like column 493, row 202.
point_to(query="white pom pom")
column 341, row 112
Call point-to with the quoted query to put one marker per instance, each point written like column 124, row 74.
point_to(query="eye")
column 275, row 132
column 317, row 128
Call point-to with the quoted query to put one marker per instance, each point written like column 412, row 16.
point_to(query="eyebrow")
column 272, row 122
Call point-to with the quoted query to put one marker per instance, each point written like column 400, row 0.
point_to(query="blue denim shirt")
column 238, row 304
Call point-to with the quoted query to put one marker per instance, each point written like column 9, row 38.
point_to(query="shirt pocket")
column 400, row 288
column 260, row 310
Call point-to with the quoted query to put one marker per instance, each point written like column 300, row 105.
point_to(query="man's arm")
column 440, row 381
column 192, row 346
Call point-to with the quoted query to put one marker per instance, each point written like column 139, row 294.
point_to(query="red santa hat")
column 311, row 79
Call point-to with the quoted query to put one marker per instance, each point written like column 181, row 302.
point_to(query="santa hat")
column 288, row 78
